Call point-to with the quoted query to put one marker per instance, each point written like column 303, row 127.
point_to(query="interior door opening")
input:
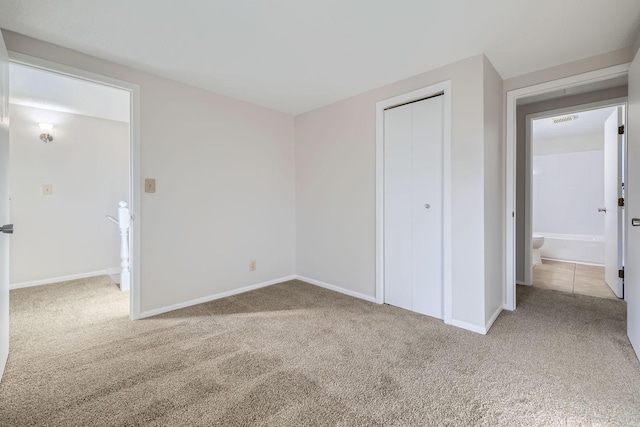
column 574, row 188
column 70, row 168
column 42, row 133
column 608, row 83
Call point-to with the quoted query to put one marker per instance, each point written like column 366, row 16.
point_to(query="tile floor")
column 568, row 277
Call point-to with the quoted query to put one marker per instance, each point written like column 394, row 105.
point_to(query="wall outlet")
column 252, row 265
column 47, row 189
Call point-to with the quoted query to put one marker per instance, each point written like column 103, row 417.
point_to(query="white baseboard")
column 337, row 289
column 59, row 279
column 161, row 310
column 574, row 262
column 475, row 328
column 493, row 319
column 468, row 326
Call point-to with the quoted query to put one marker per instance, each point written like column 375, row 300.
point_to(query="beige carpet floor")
column 297, row 355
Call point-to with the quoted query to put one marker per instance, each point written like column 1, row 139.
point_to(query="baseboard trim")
column 468, row 326
column 493, row 319
column 568, row 261
column 336, row 289
column 59, row 279
column 161, row 310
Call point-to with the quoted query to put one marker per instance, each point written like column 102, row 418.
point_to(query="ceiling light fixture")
column 45, row 129
column 564, row 119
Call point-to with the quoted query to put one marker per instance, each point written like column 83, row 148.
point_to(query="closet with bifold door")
column 413, row 206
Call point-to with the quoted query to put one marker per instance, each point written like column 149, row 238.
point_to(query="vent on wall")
column 564, row 119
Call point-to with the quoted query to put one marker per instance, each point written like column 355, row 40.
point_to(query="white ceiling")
column 588, row 122
column 32, row 87
column 297, row 55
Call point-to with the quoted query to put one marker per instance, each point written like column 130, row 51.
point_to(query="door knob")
column 635, row 222
column 8, row 229
column 602, row 210
column 427, row 206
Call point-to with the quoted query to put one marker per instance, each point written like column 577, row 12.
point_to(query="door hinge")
column 621, row 273
column 621, row 130
column 621, row 201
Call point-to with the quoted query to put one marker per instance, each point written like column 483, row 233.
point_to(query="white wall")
column 494, row 202
column 568, row 144
column 224, row 173
column 335, row 185
column 568, row 189
column 65, row 233
column 632, row 273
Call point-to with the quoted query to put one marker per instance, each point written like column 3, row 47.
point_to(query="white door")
column 4, row 205
column 632, row 267
column 613, row 191
column 413, row 144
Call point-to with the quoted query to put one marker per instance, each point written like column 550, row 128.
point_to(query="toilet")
column 538, row 241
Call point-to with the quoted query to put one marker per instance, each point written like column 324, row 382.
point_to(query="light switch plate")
column 149, row 185
column 47, row 189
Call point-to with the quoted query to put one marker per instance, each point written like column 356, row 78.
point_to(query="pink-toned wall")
column 225, row 185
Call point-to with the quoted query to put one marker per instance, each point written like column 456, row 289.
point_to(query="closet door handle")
column 635, row 222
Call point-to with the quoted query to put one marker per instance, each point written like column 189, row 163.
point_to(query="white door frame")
column 134, row 153
column 528, row 188
column 511, row 141
column 416, row 95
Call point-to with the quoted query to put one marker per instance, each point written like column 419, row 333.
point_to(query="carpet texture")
column 297, row 355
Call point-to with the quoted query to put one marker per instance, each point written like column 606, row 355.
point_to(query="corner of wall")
column 494, row 193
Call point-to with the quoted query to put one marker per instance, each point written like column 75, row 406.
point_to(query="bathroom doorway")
column 576, row 191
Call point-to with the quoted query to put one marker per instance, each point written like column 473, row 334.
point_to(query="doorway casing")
column 511, row 141
column 134, row 150
column 443, row 88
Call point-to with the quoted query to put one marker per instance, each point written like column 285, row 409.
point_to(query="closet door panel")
column 427, row 136
column 397, row 211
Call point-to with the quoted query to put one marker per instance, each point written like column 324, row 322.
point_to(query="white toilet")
column 538, row 241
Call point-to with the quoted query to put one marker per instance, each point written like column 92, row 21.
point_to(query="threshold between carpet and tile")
column 294, row 354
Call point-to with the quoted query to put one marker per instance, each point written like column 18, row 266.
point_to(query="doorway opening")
column 75, row 171
column 604, row 87
column 575, row 159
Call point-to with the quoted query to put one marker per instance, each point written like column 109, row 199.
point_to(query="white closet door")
column 398, row 184
column 427, row 190
column 413, row 206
